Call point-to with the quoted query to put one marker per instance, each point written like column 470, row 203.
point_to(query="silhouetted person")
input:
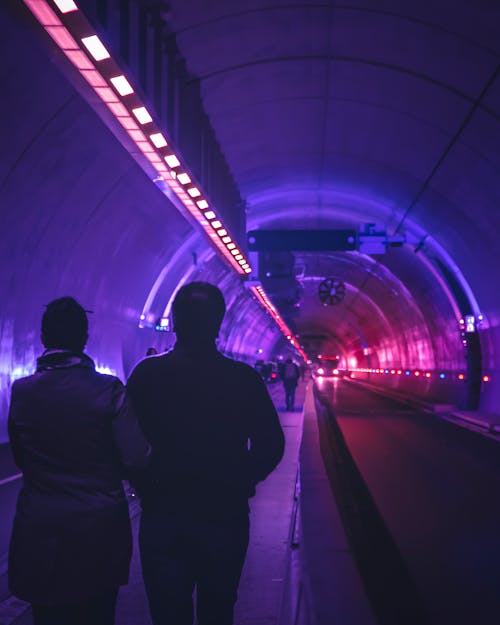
column 302, row 369
column 151, row 351
column 215, row 434
column 290, row 377
column 72, row 431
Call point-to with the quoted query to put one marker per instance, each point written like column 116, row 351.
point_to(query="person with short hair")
column 215, row 434
column 290, row 378
column 73, row 434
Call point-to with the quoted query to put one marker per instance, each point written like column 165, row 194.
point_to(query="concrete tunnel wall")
column 80, row 217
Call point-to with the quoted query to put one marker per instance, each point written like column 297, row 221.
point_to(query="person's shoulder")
column 150, row 364
column 107, row 379
column 242, row 369
column 21, row 384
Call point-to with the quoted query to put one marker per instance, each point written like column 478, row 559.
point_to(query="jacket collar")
column 62, row 359
column 196, row 350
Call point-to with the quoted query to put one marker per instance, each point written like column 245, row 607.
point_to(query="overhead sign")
column 301, row 240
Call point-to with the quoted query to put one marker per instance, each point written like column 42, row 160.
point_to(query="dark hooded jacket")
column 72, row 432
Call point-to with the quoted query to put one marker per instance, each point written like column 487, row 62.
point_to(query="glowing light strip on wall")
column 76, row 38
column 418, row 373
column 264, row 300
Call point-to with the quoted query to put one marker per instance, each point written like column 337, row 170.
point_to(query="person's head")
column 152, row 351
column 65, row 325
column 198, row 311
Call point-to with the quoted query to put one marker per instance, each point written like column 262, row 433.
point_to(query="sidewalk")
column 261, row 587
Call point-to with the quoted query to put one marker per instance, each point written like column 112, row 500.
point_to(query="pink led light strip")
column 74, row 35
column 262, row 297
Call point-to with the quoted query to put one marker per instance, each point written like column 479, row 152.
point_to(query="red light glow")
column 43, row 13
column 96, row 80
column 137, row 135
column 62, row 37
column 126, row 122
column 144, row 146
column 79, row 59
column 106, row 93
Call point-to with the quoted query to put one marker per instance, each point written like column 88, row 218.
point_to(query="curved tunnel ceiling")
column 328, row 115
column 338, row 114
column 309, row 99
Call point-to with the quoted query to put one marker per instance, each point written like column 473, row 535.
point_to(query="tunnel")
column 133, row 168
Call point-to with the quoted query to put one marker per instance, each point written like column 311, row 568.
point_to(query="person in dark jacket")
column 290, row 377
column 215, row 434
column 72, row 433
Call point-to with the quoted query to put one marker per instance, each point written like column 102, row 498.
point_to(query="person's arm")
column 267, row 441
column 132, row 445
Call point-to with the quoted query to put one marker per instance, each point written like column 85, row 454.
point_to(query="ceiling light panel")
column 65, row 23
column 96, row 48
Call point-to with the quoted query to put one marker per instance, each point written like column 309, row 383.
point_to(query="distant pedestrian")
column 151, row 351
column 215, row 434
column 72, row 433
column 302, row 369
column 290, row 377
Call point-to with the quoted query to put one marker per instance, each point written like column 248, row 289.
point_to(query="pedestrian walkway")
column 265, row 568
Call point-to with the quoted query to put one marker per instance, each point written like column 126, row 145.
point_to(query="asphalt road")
column 437, row 487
